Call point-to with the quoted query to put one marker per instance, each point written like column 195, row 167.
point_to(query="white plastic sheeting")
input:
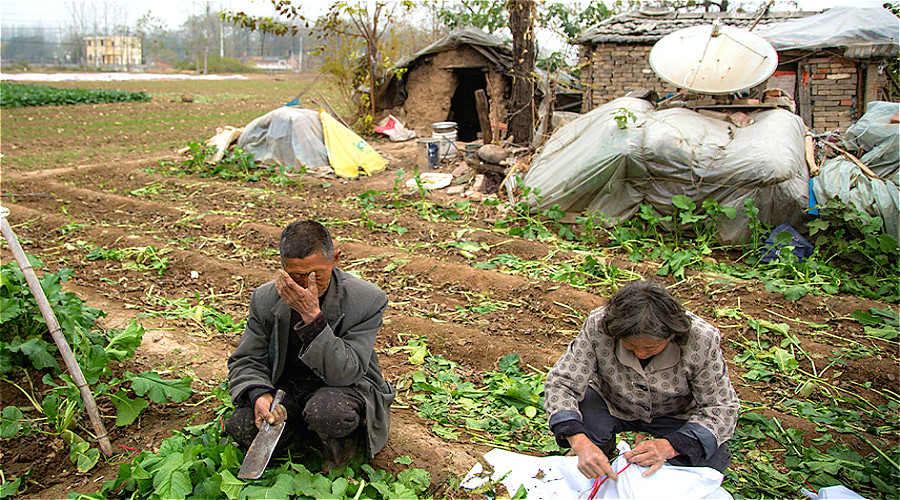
column 559, row 478
column 833, row 493
column 844, row 27
column 878, row 138
column 593, row 164
column 109, row 77
column 286, row 136
column 842, row 179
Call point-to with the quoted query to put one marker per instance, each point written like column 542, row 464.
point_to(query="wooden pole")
column 327, row 105
column 862, row 166
column 50, row 318
column 484, row 116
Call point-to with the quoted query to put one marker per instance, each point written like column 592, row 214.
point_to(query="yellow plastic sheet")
column 348, row 153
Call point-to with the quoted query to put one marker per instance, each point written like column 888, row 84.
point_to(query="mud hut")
column 830, row 63
column 438, row 83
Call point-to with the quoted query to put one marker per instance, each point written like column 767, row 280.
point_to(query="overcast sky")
column 54, row 13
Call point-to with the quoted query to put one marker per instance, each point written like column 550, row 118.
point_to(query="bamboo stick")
column 50, row 318
column 862, row 166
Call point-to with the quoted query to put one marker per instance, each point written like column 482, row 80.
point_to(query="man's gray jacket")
column 343, row 354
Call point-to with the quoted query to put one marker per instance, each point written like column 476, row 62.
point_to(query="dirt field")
column 75, row 188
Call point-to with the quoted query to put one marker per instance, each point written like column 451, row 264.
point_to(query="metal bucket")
column 429, row 153
column 446, row 133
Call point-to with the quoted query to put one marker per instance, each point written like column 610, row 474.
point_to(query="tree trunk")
column 521, row 23
column 373, row 53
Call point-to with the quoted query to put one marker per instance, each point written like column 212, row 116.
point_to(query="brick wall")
column 617, row 69
column 834, row 84
column 613, row 70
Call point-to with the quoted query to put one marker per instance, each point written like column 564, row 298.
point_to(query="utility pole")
column 221, row 37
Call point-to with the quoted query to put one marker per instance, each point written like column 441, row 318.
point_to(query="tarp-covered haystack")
column 294, row 138
column 625, row 154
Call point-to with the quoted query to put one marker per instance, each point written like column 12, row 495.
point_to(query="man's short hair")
column 303, row 237
column 646, row 309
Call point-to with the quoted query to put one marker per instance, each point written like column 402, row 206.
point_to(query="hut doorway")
column 462, row 105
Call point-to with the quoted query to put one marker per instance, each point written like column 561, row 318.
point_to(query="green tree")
column 368, row 21
column 488, row 15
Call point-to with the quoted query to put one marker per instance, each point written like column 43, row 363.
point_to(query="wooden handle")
column 279, row 395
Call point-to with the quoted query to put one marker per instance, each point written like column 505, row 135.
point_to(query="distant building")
column 113, row 51
column 272, row 63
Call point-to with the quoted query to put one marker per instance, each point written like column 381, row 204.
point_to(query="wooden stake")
column 50, row 318
column 484, row 116
column 327, row 105
column 811, row 157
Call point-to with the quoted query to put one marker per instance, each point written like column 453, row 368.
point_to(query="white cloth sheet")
column 559, row 478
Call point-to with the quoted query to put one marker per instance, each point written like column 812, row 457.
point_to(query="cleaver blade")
column 263, row 445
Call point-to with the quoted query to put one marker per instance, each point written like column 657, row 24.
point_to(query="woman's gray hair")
column 646, row 309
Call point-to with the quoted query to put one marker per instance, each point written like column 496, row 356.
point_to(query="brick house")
column 830, row 83
column 116, row 51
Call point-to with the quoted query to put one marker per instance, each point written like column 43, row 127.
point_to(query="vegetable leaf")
column 231, row 485
column 160, row 390
column 128, row 409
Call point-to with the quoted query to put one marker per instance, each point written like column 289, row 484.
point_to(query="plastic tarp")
column 287, row 136
column 559, row 477
column 846, row 27
column 592, row 164
column 488, row 45
column 842, row 179
column 295, row 137
column 878, row 139
column 348, row 153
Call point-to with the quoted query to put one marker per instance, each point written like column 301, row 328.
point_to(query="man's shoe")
column 339, row 452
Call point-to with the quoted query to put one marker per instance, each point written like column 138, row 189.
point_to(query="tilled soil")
column 223, row 236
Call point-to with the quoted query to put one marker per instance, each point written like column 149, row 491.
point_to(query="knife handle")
column 279, row 395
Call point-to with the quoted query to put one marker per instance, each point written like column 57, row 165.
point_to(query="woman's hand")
column 651, row 453
column 592, row 462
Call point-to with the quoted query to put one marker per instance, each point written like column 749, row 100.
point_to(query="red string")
column 127, row 448
column 598, row 483
column 222, row 418
column 811, row 487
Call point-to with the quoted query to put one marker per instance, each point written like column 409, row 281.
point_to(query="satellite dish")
column 713, row 59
